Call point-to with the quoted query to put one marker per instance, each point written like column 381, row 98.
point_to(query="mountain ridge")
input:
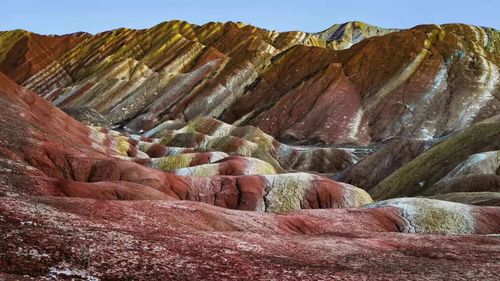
column 230, row 73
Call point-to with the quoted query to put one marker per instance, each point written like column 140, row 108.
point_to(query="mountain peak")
column 349, row 33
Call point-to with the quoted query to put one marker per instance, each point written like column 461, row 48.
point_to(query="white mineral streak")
column 65, row 271
column 474, row 103
column 418, row 112
column 356, row 124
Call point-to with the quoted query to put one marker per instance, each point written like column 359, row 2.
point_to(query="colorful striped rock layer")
column 225, row 151
column 422, row 82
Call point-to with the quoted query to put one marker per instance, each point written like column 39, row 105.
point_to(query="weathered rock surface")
column 427, row 169
column 54, row 155
column 392, row 155
column 480, row 198
column 187, row 240
column 87, row 116
column 201, row 153
column 305, row 88
column 209, row 134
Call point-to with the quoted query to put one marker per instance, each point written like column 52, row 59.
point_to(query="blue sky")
column 65, row 16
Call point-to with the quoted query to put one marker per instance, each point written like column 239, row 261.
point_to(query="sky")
column 66, row 16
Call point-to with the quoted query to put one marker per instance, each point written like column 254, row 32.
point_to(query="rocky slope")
column 438, row 80
column 225, row 151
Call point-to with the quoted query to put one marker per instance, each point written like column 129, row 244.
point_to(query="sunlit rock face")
column 352, row 83
column 225, row 151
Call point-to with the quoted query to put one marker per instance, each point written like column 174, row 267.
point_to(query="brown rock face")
column 208, row 152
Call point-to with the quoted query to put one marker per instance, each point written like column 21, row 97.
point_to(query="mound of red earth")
column 209, row 152
column 148, row 240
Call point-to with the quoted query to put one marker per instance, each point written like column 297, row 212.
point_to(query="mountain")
column 226, row 151
column 245, row 75
column 343, row 36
